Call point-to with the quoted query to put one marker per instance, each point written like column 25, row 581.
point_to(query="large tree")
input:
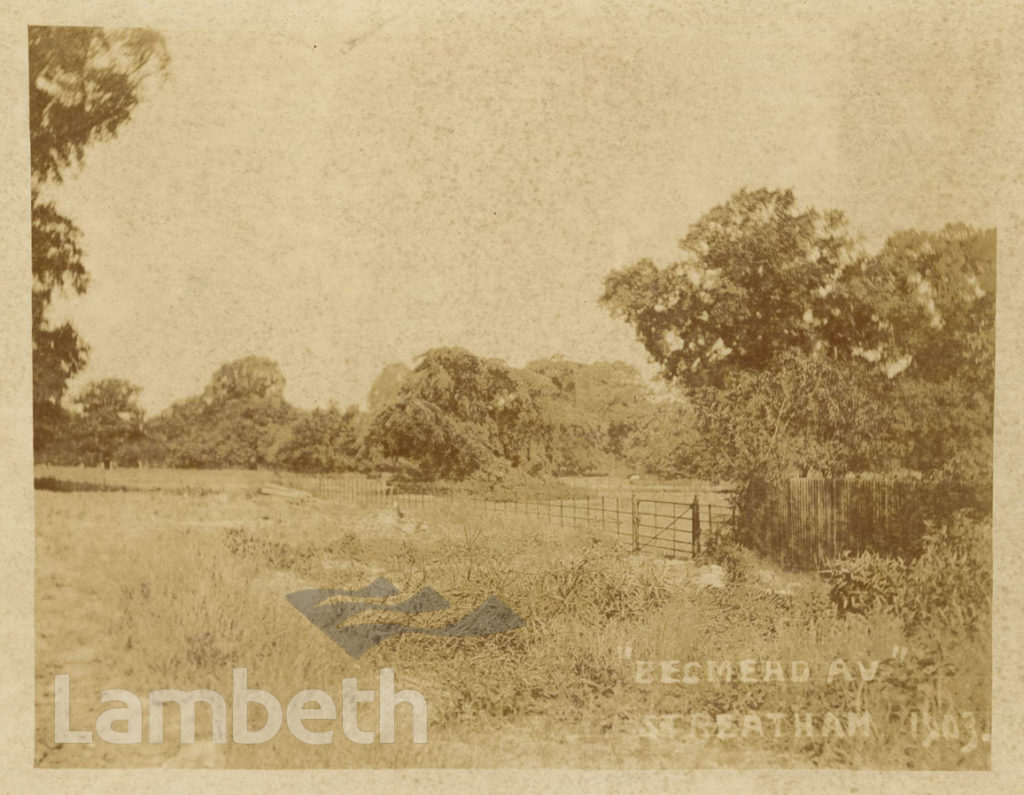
column 84, row 84
column 803, row 354
column 323, row 440
column 757, row 277
column 448, row 415
column 240, row 420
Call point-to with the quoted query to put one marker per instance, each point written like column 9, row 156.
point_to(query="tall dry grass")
column 175, row 590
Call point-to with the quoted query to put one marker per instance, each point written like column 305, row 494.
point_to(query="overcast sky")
column 470, row 178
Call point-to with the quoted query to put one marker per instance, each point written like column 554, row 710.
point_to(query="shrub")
column 740, row 563
column 866, row 583
column 949, row 584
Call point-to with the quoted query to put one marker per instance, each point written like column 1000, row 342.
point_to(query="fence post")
column 602, row 513
column 695, row 535
column 636, row 523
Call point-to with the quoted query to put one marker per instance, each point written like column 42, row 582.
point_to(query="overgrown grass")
column 182, row 588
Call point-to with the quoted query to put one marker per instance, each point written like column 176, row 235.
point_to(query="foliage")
column 662, row 440
column 417, row 438
column 756, row 278
column 109, row 425
column 934, row 293
column 801, row 353
column 739, row 562
column 949, row 584
column 456, row 414
column 867, row 582
column 240, row 420
column 323, row 440
column 84, row 84
column 804, row 414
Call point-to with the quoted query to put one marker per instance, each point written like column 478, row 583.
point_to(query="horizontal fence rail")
column 660, row 527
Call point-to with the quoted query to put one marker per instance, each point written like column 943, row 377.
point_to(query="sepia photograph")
column 592, row 386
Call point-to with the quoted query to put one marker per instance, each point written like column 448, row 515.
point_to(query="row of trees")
column 791, row 351
column 456, row 414
column 452, row 416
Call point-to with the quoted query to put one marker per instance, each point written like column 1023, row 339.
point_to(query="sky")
column 343, row 199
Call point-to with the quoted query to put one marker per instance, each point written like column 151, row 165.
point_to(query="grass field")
column 175, row 585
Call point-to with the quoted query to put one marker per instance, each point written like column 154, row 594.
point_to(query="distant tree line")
column 451, row 416
column 790, row 352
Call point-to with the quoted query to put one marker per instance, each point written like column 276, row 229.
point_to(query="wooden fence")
column 803, row 522
column 660, row 527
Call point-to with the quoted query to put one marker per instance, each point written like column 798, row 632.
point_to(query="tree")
column 386, row 387
column 418, row 439
column 457, row 413
column 663, row 440
column 444, row 420
column 323, row 440
column 803, row 354
column 240, row 420
column 935, row 295
column 803, row 414
column 251, row 378
column 84, row 84
column 111, row 420
column 597, row 407
column 757, row 277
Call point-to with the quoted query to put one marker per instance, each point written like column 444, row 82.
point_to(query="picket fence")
column 804, row 522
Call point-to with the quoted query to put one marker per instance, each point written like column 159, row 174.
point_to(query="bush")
column 866, row 583
column 741, row 564
column 948, row 585
column 951, row 582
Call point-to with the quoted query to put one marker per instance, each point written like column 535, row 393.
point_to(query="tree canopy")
column 457, row 413
column 240, row 420
column 804, row 353
column 110, row 423
column 757, row 277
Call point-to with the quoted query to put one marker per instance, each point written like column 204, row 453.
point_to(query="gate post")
column 636, row 523
column 695, row 534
